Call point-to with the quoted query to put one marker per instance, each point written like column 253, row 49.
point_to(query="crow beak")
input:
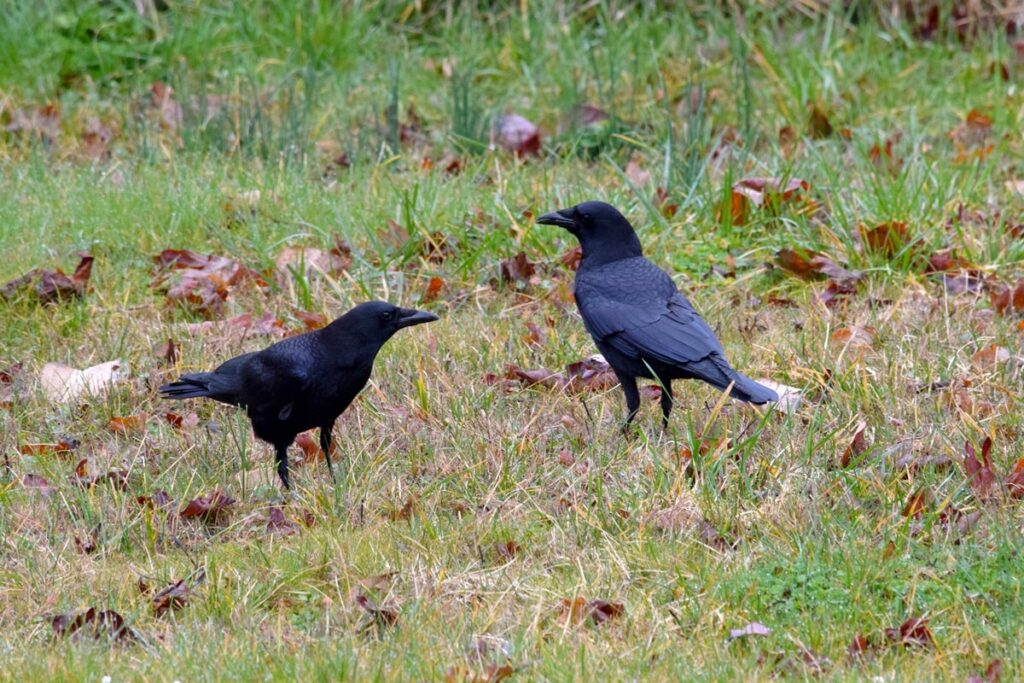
column 559, row 218
column 410, row 316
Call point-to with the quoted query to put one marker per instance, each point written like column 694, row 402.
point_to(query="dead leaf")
column 82, row 478
column 381, row 617
column 578, row 609
column 989, row 357
column 992, row 674
column 307, row 260
column 810, row 265
column 168, row 353
column 519, row 270
column 51, row 286
column 855, row 336
column 37, row 483
column 516, row 134
column 817, row 121
column 162, row 100
column 979, row 472
column 208, row 508
column 858, row 444
column 492, row 673
column 767, row 192
column 127, row 424
column 507, row 550
column 917, row 503
column 93, row 622
column 160, row 499
column 637, row 175
column 40, row 123
column 754, row 628
column 63, row 448
column 202, row 283
column 912, row 632
column 403, row 513
column 278, row 524
column 1007, row 300
column 173, row 597
column 64, row 384
column 886, row 238
column 434, row 287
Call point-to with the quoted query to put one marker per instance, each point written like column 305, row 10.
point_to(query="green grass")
column 763, row 527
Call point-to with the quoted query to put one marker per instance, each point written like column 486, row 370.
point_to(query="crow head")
column 603, row 232
column 379, row 320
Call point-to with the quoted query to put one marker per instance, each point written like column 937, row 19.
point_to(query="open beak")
column 410, row 316
column 559, row 218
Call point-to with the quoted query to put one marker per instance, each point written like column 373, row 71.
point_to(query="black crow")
column 305, row 381
column 641, row 323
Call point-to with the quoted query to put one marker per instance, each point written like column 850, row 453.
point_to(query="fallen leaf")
column 62, row 447
column 1007, row 300
column 579, row 609
column 492, row 673
column 858, row 444
column 127, row 424
column 916, row 504
column 754, row 628
column 433, row 290
column 64, row 384
column 993, row 672
column 1015, row 482
column 40, row 122
column 859, row 647
column 817, row 121
column 809, row 264
column 855, row 336
column 311, row 450
column 571, row 258
column 769, row 193
column 637, row 175
column 979, row 472
column 159, row 499
column 307, row 260
column 202, row 283
column 93, row 622
column 278, row 524
column 912, row 632
column 989, row 357
column 82, row 478
column 162, row 100
column 519, row 270
column 208, row 508
column 38, row 483
column 403, row 513
column 507, row 550
column 381, row 616
column 173, row 597
column 167, row 353
column 886, row 238
column 87, row 544
column 516, row 134
column 52, row 285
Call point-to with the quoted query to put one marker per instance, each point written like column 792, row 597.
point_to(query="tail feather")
column 717, row 372
column 189, row 386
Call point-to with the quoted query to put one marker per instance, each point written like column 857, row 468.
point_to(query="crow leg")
column 282, row 464
column 666, row 402
column 632, row 399
column 325, row 445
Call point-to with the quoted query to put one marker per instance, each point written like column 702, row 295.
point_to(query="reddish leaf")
column 159, row 499
column 278, row 524
column 381, row 616
column 886, row 238
column 916, row 504
column 912, row 632
column 598, row 611
column 979, row 473
column 82, row 478
column 307, row 260
column 571, row 258
column 311, row 450
column 127, row 424
column 172, row 597
column 1007, row 300
column 202, row 283
column 434, row 287
column 42, row 122
column 1015, row 482
column 168, row 353
column 519, row 270
column 507, row 550
column 96, row 139
column 38, row 483
column 311, row 321
column 817, row 121
column 858, row 444
column 809, row 265
column 162, row 100
column 992, row 674
column 87, row 544
column 990, row 357
column 93, row 622
column 516, row 134
column 208, row 508
column 62, row 447
column 52, row 285
column 769, row 193
column 860, row 646
column 403, row 513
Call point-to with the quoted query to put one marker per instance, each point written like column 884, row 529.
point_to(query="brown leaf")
column 492, row 673
column 38, row 483
column 93, row 622
column 311, row 321
column 1015, row 482
column 63, row 447
column 173, row 597
column 809, row 265
column 516, row 134
column 82, row 478
column 381, row 616
column 992, row 674
column 990, row 357
column 208, row 508
column 858, row 444
column 979, row 472
column 519, row 270
column 278, row 524
column 311, row 450
column 87, row 544
column 307, row 260
column 162, row 100
column 916, row 504
column 51, row 286
column 127, row 424
column 754, row 628
column 860, row 646
column 855, row 336
column 571, row 258
column 160, row 499
column 168, row 353
column 434, row 287
column 912, row 632
column 181, row 422
column 403, row 513
column 202, row 283
column 42, row 122
column 507, row 550
column 973, row 132
column 767, row 192
column 886, row 238
column 578, row 609
column 96, row 139
column 1007, row 300
column 817, row 121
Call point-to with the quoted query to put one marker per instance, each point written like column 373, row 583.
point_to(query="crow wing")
column 633, row 306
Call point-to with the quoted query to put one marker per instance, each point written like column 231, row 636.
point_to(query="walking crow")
column 641, row 323
column 305, row 381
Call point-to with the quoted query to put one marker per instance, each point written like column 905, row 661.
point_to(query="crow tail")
column 189, row 386
column 717, row 372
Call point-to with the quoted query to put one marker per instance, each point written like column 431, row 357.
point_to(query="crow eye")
column 387, row 316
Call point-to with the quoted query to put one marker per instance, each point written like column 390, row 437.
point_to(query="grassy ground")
column 470, row 511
